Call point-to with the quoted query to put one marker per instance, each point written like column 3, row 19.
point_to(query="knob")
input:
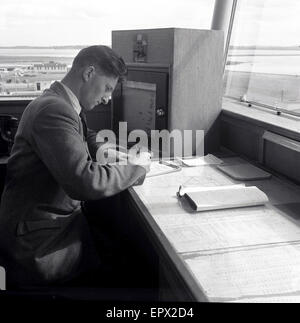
column 160, row 112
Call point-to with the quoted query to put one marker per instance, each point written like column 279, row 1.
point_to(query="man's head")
column 97, row 70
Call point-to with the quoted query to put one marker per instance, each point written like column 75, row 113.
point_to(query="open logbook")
column 222, row 197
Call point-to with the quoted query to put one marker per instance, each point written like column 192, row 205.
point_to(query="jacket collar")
column 58, row 89
column 73, row 98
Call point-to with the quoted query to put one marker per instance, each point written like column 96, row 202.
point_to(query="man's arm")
column 91, row 138
column 56, row 139
column 92, row 144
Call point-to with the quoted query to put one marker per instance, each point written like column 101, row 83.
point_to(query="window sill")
column 283, row 124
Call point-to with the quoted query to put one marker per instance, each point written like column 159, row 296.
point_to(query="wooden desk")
column 246, row 255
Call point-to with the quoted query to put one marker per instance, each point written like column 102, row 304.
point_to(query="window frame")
column 264, row 112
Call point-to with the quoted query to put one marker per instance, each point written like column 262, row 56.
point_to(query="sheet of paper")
column 210, row 231
column 139, row 102
column 249, row 274
column 200, row 161
column 156, row 186
column 160, row 169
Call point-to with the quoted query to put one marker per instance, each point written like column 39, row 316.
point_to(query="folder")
column 222, row 197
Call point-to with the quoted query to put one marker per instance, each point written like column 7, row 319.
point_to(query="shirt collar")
column 73, row 98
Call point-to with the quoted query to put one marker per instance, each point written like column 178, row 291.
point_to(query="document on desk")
column 162, row 167
column 218, row 231
column 267, row 272
column 200, row 161
column 222, row 197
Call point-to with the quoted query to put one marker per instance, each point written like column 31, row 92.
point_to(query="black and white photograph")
column 149, row 154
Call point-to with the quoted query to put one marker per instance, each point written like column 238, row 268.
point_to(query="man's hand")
column 136, row 156
column 115, row 156
column 142, row 158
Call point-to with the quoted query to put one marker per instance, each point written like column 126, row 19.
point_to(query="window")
column 263, row 63
column 39, row 38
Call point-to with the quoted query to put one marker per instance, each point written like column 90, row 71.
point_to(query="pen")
column 168, row 164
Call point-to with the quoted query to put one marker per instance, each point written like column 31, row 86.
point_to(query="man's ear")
column 88, row 72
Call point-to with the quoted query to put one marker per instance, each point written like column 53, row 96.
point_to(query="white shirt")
column 73, row 98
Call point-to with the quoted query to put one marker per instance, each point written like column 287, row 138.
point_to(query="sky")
column 267, row 23
column 87, row 22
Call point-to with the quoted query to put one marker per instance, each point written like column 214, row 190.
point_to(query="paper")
column 235, row 276
column 200, row 161
column 158, row 168
column 139, row 105
column 227, row 229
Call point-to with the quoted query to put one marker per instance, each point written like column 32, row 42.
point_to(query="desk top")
column 249, row 254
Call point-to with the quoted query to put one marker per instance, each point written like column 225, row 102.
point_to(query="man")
column 44, row 237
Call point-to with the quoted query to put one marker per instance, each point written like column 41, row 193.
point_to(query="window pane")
column 263, row 62
column 66, row 26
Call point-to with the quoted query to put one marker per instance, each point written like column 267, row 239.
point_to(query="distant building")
column 43, row 85
column 51, row 67
column 16, row 87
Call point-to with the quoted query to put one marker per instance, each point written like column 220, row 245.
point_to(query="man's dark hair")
column 103, row 58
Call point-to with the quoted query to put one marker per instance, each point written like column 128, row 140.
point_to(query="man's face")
column 97, row 89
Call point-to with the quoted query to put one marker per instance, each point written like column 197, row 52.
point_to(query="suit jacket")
column 44, row 237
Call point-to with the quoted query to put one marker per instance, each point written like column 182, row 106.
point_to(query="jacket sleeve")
column 91, row 138
column 57, row 141
column 92, row 144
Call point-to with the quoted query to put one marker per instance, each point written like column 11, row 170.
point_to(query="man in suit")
column 44, row 236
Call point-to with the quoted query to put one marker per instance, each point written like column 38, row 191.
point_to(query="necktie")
column 84, row 124
column 85, row 129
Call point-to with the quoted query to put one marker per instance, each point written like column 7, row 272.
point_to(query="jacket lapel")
column 58, row 89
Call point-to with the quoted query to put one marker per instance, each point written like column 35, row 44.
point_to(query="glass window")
column 263, row 63
column 38, row 34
